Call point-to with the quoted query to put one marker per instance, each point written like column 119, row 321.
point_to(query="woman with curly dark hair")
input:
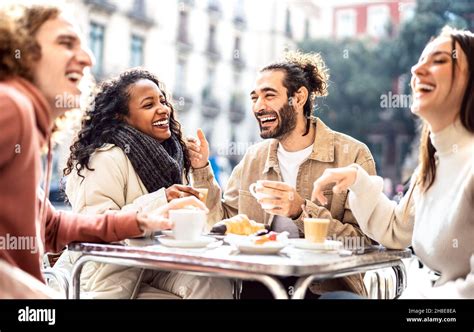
column 141, row 122
column 130, row 155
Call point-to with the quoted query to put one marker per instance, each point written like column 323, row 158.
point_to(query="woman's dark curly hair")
column 106, row 113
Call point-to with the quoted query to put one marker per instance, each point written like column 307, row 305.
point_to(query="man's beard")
column 286, row 123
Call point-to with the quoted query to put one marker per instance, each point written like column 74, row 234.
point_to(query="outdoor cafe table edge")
column 224, row 261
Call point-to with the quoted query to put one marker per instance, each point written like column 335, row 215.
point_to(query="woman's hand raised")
column 198, row 150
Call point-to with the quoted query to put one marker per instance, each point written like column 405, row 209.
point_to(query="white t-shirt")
column 290, row 163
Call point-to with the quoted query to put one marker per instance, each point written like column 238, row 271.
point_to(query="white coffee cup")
column 188, row 224
column 257, row 195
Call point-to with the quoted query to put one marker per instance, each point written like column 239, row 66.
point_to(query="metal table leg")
column 60, row 278
column 401, row 274
column 304, row 282
column 275, row 287
column 301, row 286
column 76, row 276
column 237, row 289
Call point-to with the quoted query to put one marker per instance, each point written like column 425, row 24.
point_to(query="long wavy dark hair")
column 106, row 113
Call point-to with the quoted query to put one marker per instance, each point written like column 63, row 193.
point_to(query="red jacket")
column 25, row 128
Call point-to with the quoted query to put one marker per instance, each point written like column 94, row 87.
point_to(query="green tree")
column 430, row 17
column 358, row 78
column 363, row 71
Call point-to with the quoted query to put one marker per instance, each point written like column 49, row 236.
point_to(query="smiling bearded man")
column 296, row 150
column 286, row 124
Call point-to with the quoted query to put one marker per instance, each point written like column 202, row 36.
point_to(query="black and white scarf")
column 157, row 164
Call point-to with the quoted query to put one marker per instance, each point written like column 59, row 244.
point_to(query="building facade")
column 389, row 140
column 373, row 19
column 207, row 52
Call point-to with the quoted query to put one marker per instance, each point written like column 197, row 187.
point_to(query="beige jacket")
column 113, row 185
column 330, row 149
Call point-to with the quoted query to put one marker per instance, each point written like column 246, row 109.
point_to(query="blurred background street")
column 208, row 52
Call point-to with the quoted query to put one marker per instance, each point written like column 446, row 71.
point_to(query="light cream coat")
column 113, row 185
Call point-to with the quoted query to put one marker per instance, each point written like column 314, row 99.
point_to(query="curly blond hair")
column 18, row 46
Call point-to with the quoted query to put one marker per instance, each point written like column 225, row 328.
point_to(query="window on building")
column 214, row 5
column 181, row 71
column 407, row 11
column 307, row 29
column 211, row 43
column 288, row 30
column 346, row 23
column 136, row 51
column 237, row 43
column 96, row 41
column 208, row 90
column 138, row 7
column 237, row 78
column 183, row 26
column 237, row 54
column 189, row 3
column 210, row 104
column 139, row 15
column 239, row 12
column 378, row 18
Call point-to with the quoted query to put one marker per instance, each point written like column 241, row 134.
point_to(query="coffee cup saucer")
column 328, row 245
column 201, row 242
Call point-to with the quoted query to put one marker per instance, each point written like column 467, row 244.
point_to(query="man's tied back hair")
column 303, row 69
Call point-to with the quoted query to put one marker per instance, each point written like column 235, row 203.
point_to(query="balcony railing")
column 238, row 62
column 236, row 110
column 213, row 52
column 101, row 5
column 186, row 3
column 182, row 101
column 214, row 9
column 210, row 107
column 214, row 6
column 184, row 47
column 139, row 16
column 239, row 21
column 182, row 41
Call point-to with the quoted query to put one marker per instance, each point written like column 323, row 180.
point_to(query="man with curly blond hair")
column 296, row 150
